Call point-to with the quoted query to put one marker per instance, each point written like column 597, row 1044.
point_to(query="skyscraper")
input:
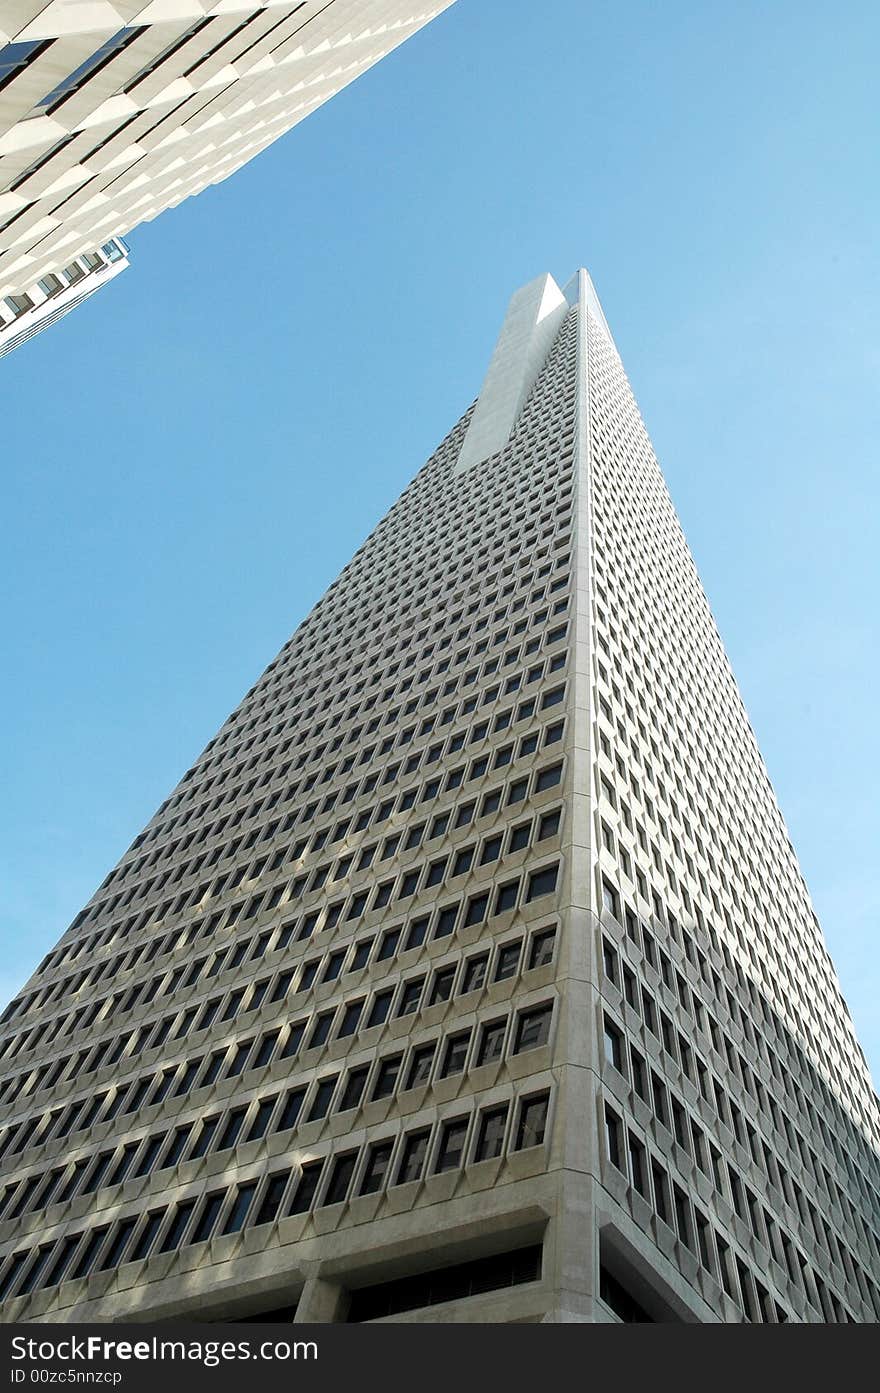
column 110, row 113
column 469, row 973
column 52, row 297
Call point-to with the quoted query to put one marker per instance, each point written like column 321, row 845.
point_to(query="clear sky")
column 190, row 458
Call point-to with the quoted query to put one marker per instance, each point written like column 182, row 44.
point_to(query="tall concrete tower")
column 468, row 974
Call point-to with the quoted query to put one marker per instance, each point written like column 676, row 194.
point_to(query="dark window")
column 420, row 1066
column 230, row 1133
column 208, row 1217
column 614, row 1138
column 492, row 1041
column 542, row 882
column 519, row 837
column 265, row 1109
column 386, row 1077
column 455, row 1054
column 149, row 1154
column 506, row 897
column 508, row 960
column 340, row 1178
column 205, row 1137
column 176, row 1229
column 620, row 1301
column 446, row 921
column 388, row 946
column 350, row 1017
column 417, row 932
column 463, row 860
column 410, row 996
column 89, row 1253
column 380, row 1008
column 291, row 1109
column 178, row 1143
column 305, row 1190
column 452, row 1139
column 548, row 778
column 272, row 1197
column 613, row 1045
column 376, row 1170
column 491, row 850
column 412, row 1160
column 354, row 1088
column 541, row 951
column 490, row 1137
column 533, row 1028
column 476, row 910
column 442, row 986
column 361, row 954
column 475, row 973
column 240, row 1206
column 320, row 1030
column 321, row 1101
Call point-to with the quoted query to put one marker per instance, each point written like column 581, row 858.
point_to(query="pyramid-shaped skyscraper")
column 469, row 974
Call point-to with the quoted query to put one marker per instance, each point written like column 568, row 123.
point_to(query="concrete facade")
column 54, row 296
column 469, row 974
column 112, row 112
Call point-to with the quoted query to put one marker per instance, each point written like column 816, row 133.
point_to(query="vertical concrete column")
column 322, row 1302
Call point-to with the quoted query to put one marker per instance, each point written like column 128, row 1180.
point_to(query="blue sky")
column 192, row 457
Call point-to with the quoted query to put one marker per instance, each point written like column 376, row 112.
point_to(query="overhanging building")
column 469, row 973
column 112, row 112
column 53, row 296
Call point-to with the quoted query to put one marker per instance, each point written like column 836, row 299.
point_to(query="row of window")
column 326, row 837
column 277, row 770
column 438, row 924
column 274, row 753
column 396, row 1160
column 346, row 911
column 543, row 780
column 401, row 1071
column 232, row 1060
column 268, row 900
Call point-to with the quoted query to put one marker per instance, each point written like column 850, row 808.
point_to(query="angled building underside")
column 469, row 973
column 52, row 297
column 112, row 111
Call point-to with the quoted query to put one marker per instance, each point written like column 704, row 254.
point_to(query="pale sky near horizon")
column 191, row 457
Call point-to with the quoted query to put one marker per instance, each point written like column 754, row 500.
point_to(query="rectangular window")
column 613, row 1138
column 340, row 1178
column 455, row 1054
column 490, row 1136
column 272, row 1196
column 533, row 1028
column 452, row 1139
column 376, row 1171
column 240, row 1206
column 638, row 1167
column 178, row 1226
column 307, row 1187
column 323, row 1095
column 412, row 1160
column 386, row 1077
column 420, row 1066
